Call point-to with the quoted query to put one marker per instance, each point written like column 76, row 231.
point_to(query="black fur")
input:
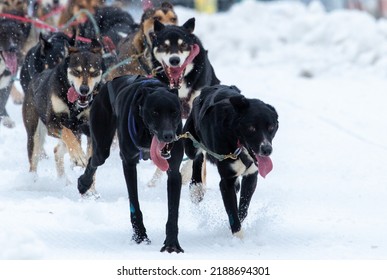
column 156, row 111
column 202, row 73
column 223, row 120
column 47, row 53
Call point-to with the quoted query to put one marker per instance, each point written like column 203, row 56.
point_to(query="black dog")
column 181, row 61
column 147, row 118
column 11, row 44
column 236, row 134
column 46, row 54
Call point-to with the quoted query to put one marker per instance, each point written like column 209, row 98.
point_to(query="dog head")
column 257, row 125
column 53, row 48
column 84, row 72
column 164, row 14
column 42, row 8
column 161, row 115
column 74, row 6
column 11, row 41
column 19, row 7
column 175, row 48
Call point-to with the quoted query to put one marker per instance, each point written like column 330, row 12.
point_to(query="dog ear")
column 158, row 26
column 44, row 43
column 190, row 25
column 73, row 37
column 240, row 103
column 95, row 46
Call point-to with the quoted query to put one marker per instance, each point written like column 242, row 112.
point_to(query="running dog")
column 58, row 101
column 236, row 135
column 46, row 54
column 49, row 10
column 11, row 44
column 181, row 61
column 136, row 47
column 146, row 115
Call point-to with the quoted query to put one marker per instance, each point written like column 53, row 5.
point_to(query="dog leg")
column 171, row 243
column 139, row 231
column 16, row 95
column 35, row 143
column 74, row 147
column 186, row 172
column 59, row 152
column 196, row 187
column 249, row 184
column 4, row 117
column 156, row 177
column 227, row 189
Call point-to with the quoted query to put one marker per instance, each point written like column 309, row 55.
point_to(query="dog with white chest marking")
column 181, row 61
column 235, row 133
column 58, row 102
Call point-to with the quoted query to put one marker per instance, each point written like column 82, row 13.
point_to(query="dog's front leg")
column 227, row 189
column 139, row 231
column 74, row 147
column 249, row 184
column 171, row 243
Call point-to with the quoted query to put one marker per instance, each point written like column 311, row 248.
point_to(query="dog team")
column 150, row 85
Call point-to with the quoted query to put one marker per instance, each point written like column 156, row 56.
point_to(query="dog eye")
column 156, row 18
column 251, row 129
column 271, row 128
column 173, row 20
column 155, row 114
column 76, row 72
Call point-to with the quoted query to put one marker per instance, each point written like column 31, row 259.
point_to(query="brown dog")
column 74, row 6
column 136, row 48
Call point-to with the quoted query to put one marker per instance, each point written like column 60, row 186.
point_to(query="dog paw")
column 17, row 96
column 196, row 192
column 91, row 195
column 141, row 239
column 8, row 122
column 172, row 248
column 239, row 234
column 78, row 158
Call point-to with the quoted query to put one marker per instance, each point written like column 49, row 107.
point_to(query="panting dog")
column 181, row 61
column 58, row 102
column 235, row 133
column 145, row 113
column 11, row 44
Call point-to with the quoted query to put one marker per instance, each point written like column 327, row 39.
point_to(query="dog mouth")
column 160, row 152
column 81, row 99
column 10, row 59
column 264, row 164
column 175, row 74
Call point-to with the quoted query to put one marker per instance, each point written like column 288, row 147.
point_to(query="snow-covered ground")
column 325, row 73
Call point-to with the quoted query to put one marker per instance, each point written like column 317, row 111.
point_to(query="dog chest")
column 244, row 167
column 58, row 105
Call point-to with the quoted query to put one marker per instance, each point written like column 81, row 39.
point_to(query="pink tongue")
column 176, row 71
column 265, row 165
column 72, row 95
column 155, row 154
column 11, row 61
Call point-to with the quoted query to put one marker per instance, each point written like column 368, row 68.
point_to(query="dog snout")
column 174, row 60
column 12, row 48
column 84, row 89
column 168, row 136
column 266, row 149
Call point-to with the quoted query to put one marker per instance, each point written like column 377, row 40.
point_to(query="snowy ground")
column 326, row 74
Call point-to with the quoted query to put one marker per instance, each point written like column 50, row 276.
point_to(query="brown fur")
column 10, row 6
column 74, row 6
column 135, row 45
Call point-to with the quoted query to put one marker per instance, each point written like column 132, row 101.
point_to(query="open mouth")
column 175, row 74
column 160, row 152
column 82, row 100
column 10, row 59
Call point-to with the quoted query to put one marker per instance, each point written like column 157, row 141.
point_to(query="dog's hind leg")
column 155, row 178
column 16, row 95
column 4, row 117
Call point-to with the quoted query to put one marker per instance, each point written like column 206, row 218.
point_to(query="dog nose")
column 168, row 136
column 84, row 89
column 12, row 48
column 266, row 149
column 174, row 60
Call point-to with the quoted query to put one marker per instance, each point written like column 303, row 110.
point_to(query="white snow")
column 325, row 73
